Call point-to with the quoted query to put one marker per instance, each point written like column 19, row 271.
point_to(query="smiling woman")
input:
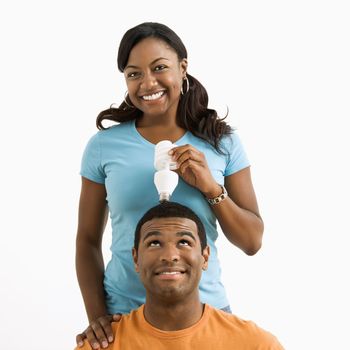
column 154, row 78
column 163, row 102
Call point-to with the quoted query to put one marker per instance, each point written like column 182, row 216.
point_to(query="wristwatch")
column 219, row 198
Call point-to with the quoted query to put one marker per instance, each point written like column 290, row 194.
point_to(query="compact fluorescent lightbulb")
column 165, row 179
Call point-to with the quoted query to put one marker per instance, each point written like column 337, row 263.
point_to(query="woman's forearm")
column 241, row 227
column 238, row 214
column 90, row 273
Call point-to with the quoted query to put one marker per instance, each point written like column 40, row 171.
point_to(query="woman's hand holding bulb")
column 193, row 169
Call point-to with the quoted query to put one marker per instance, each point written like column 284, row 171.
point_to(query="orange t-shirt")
column 216, row 330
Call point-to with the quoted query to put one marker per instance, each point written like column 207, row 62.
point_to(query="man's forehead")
column 169, row 224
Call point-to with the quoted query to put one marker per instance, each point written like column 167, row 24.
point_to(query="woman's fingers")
column 105, row 323
column 193, row 167
column 177, row 151
column 191, row 164
column 92, row 337
column 99, row 333
column 117, row 317
column 183, row 153
column 80, row 339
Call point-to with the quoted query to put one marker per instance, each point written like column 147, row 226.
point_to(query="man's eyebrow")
column 178, row 234
column 153, row 62
column 151, row 233
column 186, row 233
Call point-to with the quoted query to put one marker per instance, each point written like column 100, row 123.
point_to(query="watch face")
column 219, row 198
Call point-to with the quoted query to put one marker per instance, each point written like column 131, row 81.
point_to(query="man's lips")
column 170, row 276
column 169, row 271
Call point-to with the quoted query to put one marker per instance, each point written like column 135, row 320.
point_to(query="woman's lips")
column 154, row 96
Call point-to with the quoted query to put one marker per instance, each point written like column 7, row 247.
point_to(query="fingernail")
column 81, row 343
column 110, row 339
column 104, row 344
column 95, row 345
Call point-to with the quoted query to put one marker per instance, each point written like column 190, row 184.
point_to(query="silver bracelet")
column 219, row 198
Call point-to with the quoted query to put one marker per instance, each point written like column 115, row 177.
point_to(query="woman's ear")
column 183, row 67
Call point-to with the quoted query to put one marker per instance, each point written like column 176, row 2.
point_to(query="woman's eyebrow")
column 153, row 62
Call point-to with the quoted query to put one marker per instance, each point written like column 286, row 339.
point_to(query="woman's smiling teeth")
column 153, row 96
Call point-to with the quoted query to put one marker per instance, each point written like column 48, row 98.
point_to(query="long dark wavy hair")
column 193, row 113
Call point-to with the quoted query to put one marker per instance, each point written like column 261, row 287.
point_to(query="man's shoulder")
column 134, row 317
column 246, row 330
column 228, row 320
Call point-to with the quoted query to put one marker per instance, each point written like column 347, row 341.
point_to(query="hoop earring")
column 187, row 86
column 125, row 100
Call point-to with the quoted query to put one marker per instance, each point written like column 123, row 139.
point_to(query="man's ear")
column 134, row 256
column 205, row 254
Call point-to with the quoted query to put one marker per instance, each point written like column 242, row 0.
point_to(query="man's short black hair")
column 171, row 210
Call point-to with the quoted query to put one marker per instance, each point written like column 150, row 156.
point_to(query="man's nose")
column 170, row 253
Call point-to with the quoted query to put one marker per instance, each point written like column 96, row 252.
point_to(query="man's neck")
column 173, row 315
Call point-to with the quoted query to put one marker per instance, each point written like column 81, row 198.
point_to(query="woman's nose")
column 149, row 81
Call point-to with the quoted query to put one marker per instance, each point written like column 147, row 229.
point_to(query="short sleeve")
column 91, row 167
column 237, row 158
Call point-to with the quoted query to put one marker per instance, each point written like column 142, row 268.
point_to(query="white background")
column 282, row 68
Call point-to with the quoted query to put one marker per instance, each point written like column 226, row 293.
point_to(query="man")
column 170, row 251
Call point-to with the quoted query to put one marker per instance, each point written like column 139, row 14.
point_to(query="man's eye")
column 154, row 244
column 184, row 242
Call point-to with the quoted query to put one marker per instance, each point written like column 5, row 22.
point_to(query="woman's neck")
column 158, row 129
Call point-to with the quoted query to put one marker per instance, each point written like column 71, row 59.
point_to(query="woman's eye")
column 132, row 74
column 160, row 67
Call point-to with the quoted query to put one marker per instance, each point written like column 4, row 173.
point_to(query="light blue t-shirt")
column 122, row 159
